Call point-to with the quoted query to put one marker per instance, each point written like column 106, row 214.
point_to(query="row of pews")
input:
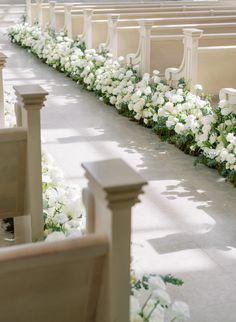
column 180, row 39
column 84, row 279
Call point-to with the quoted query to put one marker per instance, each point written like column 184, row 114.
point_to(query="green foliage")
column 170, row 279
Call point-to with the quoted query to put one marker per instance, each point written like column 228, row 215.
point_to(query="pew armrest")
column 229, row 95
column 173, row 75
column 134, row 59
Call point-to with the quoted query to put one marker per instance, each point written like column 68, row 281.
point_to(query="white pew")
column 34, row 11
column 45, row 14
column 93, row 24
column 100, row 31
column 161, row 46
column 86, row 279
column 2, row 64
column 210, row 66
column 20, row 167
column 96, row 29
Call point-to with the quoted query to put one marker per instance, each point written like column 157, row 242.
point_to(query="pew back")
column 13, row 172
column 210, row 66
column 168, row 50
column 130, row 36
column 56, row 282
column 216, row 68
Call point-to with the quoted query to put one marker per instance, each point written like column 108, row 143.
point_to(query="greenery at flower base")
column 65, row 217
column 177, row 116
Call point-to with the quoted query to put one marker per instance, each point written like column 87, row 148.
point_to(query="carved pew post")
column 39, row 12
column 28, row 12
column 87, row 32
column 145, row 46
column 2, row 64
column 191, row 40
column 112, row 42
column 115, row 187
column 52, row 15
column 68, row 20
column 30, row 99
column 189, row 66
column 229, row 95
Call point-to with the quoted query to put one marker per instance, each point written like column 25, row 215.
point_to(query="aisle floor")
column 186, row 222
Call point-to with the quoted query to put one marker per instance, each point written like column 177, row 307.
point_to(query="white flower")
column 198, row 87
column 225, row 111
column 135, row 308
column 55, row 236
column 179, row 128
column 147, row 90
column 74, row 233
column 156, row 72
column 156, row 282
column 162, row 296
column 60, row 219
column 56, row 174
column 146, row 77
column 158, row 314
column 181, row 311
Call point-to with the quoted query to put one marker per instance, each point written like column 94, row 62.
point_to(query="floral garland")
column 64, row 217
column 176, row 115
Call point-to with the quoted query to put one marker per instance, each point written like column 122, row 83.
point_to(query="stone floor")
column 186, row 222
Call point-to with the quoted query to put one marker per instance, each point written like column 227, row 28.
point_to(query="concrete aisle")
column 186, row 223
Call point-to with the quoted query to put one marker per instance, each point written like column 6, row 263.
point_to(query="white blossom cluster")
column 63, row 209
column 153, row 303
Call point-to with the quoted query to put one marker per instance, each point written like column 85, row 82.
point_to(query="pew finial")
column 28, row 12
column 189, row 66
column 30, row 100
column 52, row 15
column 115, row 188
column 87, row 29
column 112, row 40
column 3, row 59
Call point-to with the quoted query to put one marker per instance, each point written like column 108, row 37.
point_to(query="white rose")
column 60, row 219
column 181, row 311
column 55, row 236
column 147, row 90
column 162, row 296
column 156, row 282
column 179, row 128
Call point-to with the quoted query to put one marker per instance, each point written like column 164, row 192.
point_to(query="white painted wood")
column 89, row 203
column 30, row 100
column 39, row 12
column 3, row 59
column 52, row 15
column 28, row 12
column 68, row 21
column 112, row 41
column 73, row 266
column 87, row 29
column 115, row 187
column 210, row 66
column 96, row 284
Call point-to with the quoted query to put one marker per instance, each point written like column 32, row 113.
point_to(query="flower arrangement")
column 177, row 116
column 150, row 301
